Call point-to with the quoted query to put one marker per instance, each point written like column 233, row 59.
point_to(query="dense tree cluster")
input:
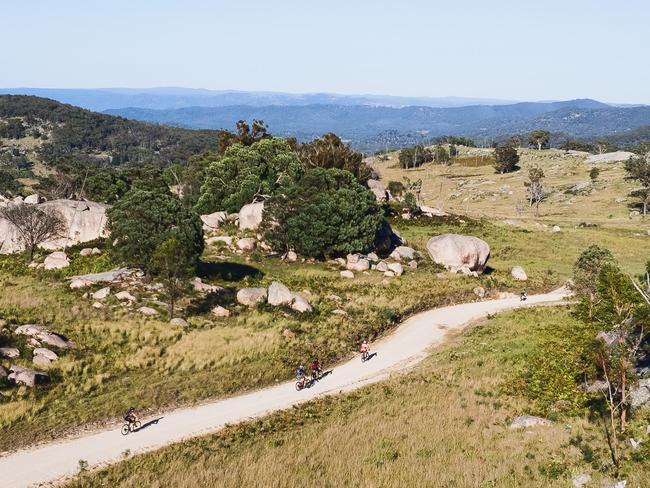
column 327, row 212
column 414, row 157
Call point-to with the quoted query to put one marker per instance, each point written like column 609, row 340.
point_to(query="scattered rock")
column 56, row 260
column 198, row 285
column 213, row 220
column 347, row 274
column 403, row 252
column 125, row 295
column 334, row 298
column 581, row 480
column 9, row 352
column 526, row 421
column 459, row 253
column 378, row 189
column 251, row 296
column 513, row 222
column 80, row 283
column 287, row 334
column 32, row 199
column 40, row 360
column 619, row 484
column 556, row 229
column 374, row 258
column 247, row 244
column 357, row 263
column 148, row 311
column 596, row 386
column 98, row 305
column 396, row 268
column 389, row 274
column 300, row 304
column 111, row 276
column 432, row 211
column 250, row 216
column 179, row 322
column 26, row 376
column 226, row 240
column 479, row 291
column 291, row 256
column 634, row 443
column 86, row 251
column 279, row 294
column 44, row 335
column 338, row 311
column 640, row 395
column 519, row 274
column 220, row 311
column 43, row 351
column 413, row 264
column 382, row 266
column 102, row 293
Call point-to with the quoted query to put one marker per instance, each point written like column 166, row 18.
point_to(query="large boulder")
column 9, row 352
column 519, row 274
column 56, row 260
column 279, row 294
column 379, row 190
column 300, row 304
column 44, row 335
column 403, row 252
column 213, row 220
column 611, row 157
column 26, row 376
column 250, row 216
column 252, row 296
column 48, row 353
column 432, row 211
column 459, row 253
column 640, row 395
column 247, row 244
column 32, row 199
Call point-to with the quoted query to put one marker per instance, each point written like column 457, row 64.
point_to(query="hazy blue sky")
column 514, row 49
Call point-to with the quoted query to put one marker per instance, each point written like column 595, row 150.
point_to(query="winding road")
column 406, row 346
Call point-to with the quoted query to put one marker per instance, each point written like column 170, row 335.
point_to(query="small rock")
column 619, row 484
column 247, row 244
column 287, row 334
column 382, row 266
column 40, row 360
column 102, row 293
column 279, row 294
column 213, row 220
column 291, row 256
column 396, row 268
column 9, row 352
column 86, row 251
column 339, row 311
column 519, row 274
column 347, row 274
column 640, row 395
column 148, row 311
column 43, row 351
column 403, row 252
column 340, row 261
column 56, row 260
column 80, row 283
column 581, row 480
column 251, row 296
column 32, row 199
column 372, row 257
column 26, row 376
column 226, row 240
column 98, row 305
column 220, row 311
column 179, row 322
column 360, row 264
column 413, row 264
column 526, row 421
column 634, row 443
column 204, row 287
column 389, row 274
column 334, row 298
column 556, row 229
column 300, row 304
column 125, row 295
column 479, row 291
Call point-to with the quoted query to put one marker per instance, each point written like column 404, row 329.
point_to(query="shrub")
column 246, row 173
column 327, row 212
column 506, row 159
column 330, row 152
column 142, row 220
column 413, row 157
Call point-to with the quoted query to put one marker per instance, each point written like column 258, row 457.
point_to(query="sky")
column 508, row 49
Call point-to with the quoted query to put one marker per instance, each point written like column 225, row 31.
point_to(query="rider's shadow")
column 149, row 424
column 371, row 356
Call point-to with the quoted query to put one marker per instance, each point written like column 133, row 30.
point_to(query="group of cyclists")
column 131, row 415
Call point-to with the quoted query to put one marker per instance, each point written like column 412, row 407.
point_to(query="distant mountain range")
column 172, row 98
column 368, row 122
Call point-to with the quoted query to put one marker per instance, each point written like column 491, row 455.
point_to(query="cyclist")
column 316, row 370
column 301, row 374
column 131, row 415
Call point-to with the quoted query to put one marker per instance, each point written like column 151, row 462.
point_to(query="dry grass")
column 443, row 425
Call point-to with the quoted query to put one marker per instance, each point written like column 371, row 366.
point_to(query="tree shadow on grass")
column 227, row 271
column 203, row 304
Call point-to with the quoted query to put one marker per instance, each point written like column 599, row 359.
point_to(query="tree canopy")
column 330, row 152
column 248, row 173
column 327, row 212
column 506, row 159
column 142, row 220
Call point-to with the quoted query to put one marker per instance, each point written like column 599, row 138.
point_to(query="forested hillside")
column 65, row 132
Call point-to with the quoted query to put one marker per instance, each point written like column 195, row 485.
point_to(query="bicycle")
column 129, row 427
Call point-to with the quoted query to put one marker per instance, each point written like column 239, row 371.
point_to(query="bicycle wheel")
column 125, row 429
column 136, row 425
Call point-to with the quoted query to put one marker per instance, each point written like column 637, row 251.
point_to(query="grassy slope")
column 444, row 424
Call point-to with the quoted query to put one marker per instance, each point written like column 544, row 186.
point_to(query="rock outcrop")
column 56, row 260
column 44, row 335
column 251, row 296
column 459, row 253
column 250, row 216
column 213, row 220
column 527, row 421
column 26, row 376
column 379, row 190
column 611, row 157
column 519, row 274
